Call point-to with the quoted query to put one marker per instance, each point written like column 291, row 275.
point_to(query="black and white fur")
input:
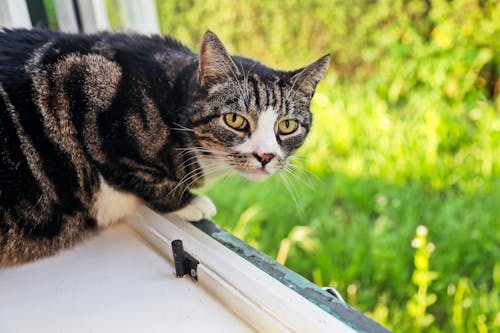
column 93, row 125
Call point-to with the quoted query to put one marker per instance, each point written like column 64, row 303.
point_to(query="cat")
column 93, row 125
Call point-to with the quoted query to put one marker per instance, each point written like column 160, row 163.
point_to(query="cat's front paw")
column 201, row 207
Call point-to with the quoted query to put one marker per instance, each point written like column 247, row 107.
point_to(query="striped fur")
column 88, row 121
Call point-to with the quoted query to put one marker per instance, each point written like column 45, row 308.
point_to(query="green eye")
column 235, row 121
column 288, row 126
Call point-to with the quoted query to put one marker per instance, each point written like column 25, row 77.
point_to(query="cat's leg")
column 199, row 208
column 190, row 207
column 169, row 199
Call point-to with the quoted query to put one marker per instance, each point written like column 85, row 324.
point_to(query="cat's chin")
column 255, row 175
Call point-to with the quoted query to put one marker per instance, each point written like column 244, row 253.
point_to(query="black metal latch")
column 184, row 262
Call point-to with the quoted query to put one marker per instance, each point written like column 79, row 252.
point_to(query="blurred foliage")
column 405, row 40
column 50, row 11
column 115, row 14
column 422, row 278
column 406, row 134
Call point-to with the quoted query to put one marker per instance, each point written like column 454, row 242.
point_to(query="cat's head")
column 248, row 117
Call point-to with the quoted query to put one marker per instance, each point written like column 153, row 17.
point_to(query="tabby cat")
column 93, row 125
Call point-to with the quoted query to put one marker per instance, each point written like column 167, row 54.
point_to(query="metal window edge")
column 160, row 231
column 292, row 280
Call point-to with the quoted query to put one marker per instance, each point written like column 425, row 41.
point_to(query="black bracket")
column 184, row 262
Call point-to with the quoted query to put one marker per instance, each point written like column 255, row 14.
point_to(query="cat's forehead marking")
column 267, row 120
column 263, row 137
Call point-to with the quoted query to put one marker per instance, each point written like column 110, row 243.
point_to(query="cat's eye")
column 287, row 126
column 235, row 121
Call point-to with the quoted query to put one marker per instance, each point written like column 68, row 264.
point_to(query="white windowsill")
column 120, row 282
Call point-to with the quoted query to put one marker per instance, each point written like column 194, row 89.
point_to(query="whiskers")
column 204, row 163
column 295, row 177
column 216, row 164
column 291, row 91
column 301, row 173
column 245, row 84
column 181, row 128
column 232, row 72
column 292, row 190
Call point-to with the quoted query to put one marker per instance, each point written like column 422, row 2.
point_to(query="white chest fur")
column 111, row 205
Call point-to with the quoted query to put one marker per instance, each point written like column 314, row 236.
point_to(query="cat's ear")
column 306, row 79
column 216, row 65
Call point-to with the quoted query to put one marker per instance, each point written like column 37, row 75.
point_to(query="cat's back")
column 16, row 47
column 20, row 46
column 59, row 92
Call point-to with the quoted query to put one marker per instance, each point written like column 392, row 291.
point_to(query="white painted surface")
column 256, row 297
column 65, row 14
column 94, row 16
column 141, row 16
column 14, row 14
column 117, row 282
column 111, row 283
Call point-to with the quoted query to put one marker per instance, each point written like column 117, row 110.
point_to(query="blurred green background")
column 395, row 197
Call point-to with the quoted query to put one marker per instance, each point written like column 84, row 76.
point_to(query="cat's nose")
column 264, row 158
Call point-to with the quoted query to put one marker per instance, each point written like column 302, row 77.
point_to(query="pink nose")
column 264, row 158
